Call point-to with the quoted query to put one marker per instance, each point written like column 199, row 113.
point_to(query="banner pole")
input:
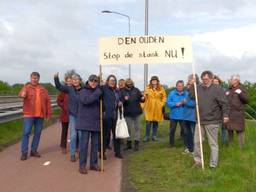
column 198, row 116
column 101, row 127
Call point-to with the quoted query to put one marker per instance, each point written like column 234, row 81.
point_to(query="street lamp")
column 146, row 33
column 129, row 28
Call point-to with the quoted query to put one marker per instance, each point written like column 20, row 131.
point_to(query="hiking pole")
column 101, row 128
column 198, row 117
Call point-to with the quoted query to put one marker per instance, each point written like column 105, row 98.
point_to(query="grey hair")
column 76, row 76
column 235, row 77
column 69, row 74
column 191, row 77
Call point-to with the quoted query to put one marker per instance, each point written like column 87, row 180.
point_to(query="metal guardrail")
column 4, row 99
column 251, row 113
column 17, row 114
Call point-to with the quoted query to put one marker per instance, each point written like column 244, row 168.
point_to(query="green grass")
column 159, row 168
column 11, row 132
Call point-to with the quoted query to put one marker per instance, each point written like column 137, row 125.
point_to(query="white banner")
column 145, row 49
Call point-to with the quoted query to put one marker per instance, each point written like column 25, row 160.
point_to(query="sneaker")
column 73, row 158
column 146, row 139
column 35, row 154
column 213, row 166
column 154, row 138
column 186, row 151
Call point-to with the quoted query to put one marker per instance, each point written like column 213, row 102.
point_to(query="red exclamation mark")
column 182, row 51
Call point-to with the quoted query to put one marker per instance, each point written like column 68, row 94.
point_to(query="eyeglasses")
column 94, row 81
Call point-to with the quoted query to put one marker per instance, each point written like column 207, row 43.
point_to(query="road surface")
column 60, row 175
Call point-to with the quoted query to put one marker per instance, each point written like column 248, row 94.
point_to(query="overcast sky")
column 56, row 35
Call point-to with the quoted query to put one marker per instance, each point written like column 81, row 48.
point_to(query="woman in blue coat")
column 189, row 116
column 88, row 123
column 175, row 102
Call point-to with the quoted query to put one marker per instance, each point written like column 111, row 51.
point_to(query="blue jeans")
column 28, row 123
column 189, row 134
column 149, row 124
column 73, row 134
column 84, row 137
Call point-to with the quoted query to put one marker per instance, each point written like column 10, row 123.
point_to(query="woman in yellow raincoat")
column 155, row 98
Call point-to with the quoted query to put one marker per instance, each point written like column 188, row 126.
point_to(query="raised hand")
column 56, row 74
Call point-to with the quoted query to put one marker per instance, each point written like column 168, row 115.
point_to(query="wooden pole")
column 198, row 117
column 101, row 128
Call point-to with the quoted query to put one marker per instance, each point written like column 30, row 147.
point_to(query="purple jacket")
column 88, row 116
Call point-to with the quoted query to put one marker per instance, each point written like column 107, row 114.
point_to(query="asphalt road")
column 54, row 172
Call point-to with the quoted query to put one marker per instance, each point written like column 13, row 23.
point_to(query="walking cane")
column 101, row 129
column 198, row 117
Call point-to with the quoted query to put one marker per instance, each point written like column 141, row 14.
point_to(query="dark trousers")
column 108, row 126
column 173, row 126
column 150, row 124
column 64, row 135
column 189, row 132
column 84, row 137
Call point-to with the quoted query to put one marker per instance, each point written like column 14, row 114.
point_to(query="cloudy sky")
column 56, row 35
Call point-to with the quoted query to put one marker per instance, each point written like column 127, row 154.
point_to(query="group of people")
column 219, row 107
column 84, row 104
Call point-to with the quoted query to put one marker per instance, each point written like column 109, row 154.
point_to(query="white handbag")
column 121, row 126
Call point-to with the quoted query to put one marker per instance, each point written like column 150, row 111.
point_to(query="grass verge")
column 11, row 132
column 159, row 168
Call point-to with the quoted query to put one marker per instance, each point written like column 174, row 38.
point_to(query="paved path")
column 60, row 175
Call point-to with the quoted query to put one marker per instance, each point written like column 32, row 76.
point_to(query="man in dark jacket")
column 214, row 109
column 131, row 98
column 72, row 92
column 110, row 108
column 88, row 123
column 237, row 98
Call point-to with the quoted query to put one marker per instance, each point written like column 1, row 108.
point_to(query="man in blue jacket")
column 175, row 102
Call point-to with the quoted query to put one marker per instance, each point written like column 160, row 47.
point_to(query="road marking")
column 47, row 163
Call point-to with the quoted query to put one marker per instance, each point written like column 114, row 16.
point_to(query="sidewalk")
column 60, row 175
